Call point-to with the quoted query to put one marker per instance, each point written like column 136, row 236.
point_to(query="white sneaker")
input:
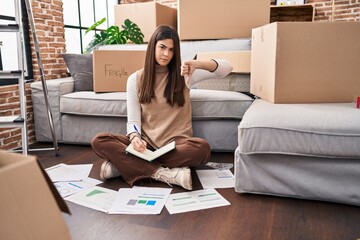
column 108, row 170
column 177, row 176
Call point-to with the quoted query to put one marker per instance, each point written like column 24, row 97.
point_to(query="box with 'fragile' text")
column 113, row 67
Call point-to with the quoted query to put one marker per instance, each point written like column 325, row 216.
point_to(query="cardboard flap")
column 31, row 205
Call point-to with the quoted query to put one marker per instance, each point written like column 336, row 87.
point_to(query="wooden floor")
column 248, row 217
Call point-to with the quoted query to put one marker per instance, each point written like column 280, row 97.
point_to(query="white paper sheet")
column 97, row 198
column 68, row 188
column 195, row 200
column 65, row 173
column 140, row 200
column 216, row 178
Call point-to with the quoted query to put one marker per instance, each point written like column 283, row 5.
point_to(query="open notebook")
column 149, row 155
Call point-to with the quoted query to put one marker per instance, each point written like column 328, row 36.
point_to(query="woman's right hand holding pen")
column 136, row 141
column 138, row 144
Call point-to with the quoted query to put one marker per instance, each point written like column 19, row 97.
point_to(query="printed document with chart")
column 194, row 200
column 140, row 200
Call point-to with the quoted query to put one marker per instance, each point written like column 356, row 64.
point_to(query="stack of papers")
column 68, row 188
column 71, row 179
column 136, row 200
column 63, row 172
column 74, row 185
column 146, row 200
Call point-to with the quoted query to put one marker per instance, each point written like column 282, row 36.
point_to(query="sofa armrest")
column 56, row 88
column 60, row 85
column 239, row 82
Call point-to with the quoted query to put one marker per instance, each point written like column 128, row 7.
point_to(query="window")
column 8, row 43
column 79, row 15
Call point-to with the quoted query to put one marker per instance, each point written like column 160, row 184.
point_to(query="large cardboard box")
column 240, row 60
column 302, row 62
column 30, row 204
column 113, row 67
column 148, row 16
column 213, row 19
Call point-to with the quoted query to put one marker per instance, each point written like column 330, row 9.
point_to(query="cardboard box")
column 302, row 62
column 30, row 204
column 113, row 67
column 213, row 19
column 148, row 16
column 240, row 60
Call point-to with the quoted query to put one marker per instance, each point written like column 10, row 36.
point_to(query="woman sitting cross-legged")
column 158, row 106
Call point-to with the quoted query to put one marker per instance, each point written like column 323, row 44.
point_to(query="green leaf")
column 95, row 25
column 115, row 36
column 98, row 40
column 133, row 31
column 130, row 33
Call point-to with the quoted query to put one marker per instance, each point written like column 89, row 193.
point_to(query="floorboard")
column 248, row 217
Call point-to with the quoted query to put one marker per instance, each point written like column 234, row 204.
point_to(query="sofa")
column 79, row 113
column 308, row 151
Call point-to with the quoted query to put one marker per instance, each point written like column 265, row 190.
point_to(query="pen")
column 72, row 184
column 142, row 145
column 137, row 131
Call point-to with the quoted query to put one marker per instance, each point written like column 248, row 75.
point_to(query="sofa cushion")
column 94, row 104
column 206, row 104
column 81, row 69
column 215, row 104
column 324, row 129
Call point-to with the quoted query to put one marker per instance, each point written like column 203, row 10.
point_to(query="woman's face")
column 164, row 51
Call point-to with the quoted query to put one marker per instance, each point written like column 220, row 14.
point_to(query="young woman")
column 159, row 111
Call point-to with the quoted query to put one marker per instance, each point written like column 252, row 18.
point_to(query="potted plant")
column 130, row 33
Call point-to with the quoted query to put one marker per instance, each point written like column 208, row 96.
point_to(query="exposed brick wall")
column 10, row 138
column 48, row 15
column 49, row 23
column 344, row 10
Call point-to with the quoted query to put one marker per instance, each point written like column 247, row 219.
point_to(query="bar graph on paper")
column 140, row 200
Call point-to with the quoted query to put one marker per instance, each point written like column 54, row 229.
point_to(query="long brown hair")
column 174, row 90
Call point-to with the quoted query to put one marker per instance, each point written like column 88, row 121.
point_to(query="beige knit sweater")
column 157, row 121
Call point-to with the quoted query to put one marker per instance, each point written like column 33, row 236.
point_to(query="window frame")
column 82, row 28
